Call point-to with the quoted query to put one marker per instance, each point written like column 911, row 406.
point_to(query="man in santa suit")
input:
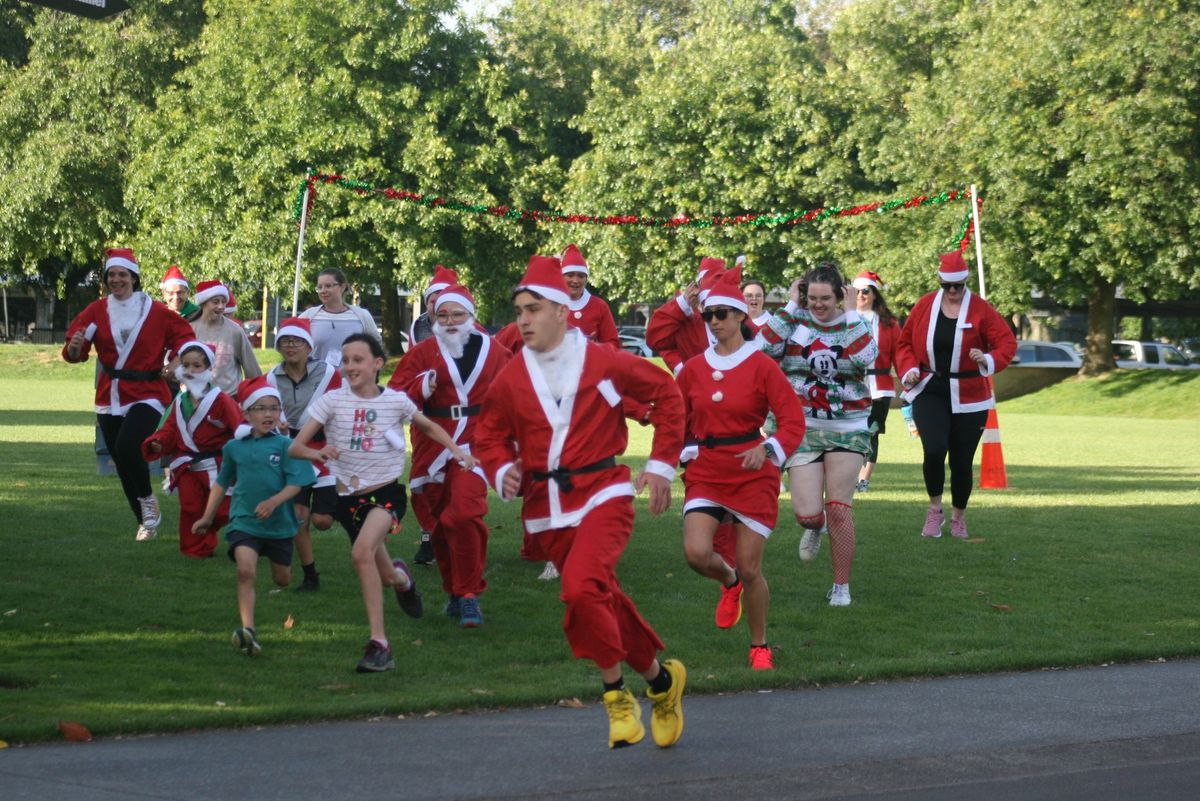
column 553, row 418
column 450, row 373
column 176, row 292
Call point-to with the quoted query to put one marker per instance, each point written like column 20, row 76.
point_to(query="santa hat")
column 456, row 293
column 711, row 271
column 295, row 327
column 867, row 278
column 203, row 347
column 207, row 290
column 255, row 389
column 953, row 268
column 230, row 304
column 121, row 257
column 544, row 276
column 709, row 264
column 573, row 261
column 442, row 278
column 174, row 277
column 727, row 291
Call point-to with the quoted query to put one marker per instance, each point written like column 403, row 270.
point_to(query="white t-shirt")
column 368, row 433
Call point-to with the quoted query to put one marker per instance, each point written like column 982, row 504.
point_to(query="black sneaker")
column 310, row 584
column 425, row 554
column 410, row 599
column 376, row 659
column 245, row 641
column 453, row 607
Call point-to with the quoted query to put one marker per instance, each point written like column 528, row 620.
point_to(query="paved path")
column 1091, row 734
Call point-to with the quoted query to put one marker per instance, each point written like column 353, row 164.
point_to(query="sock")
column 310, row 569
column 619, row 684
column 764, row 645
column 736, row 580
column 662, row 682
column 405, row 584
column 384, row 643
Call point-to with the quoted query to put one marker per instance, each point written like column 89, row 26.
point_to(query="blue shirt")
column 258, row 468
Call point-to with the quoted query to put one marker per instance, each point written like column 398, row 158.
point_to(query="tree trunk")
column 392, row 325
column 1102, row 302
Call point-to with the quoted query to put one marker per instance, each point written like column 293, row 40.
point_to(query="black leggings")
column 943, row 432
column 123, row 436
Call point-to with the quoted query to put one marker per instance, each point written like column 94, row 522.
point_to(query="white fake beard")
column 195, row 383
column 455, row 337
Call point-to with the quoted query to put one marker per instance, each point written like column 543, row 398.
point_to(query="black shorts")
column 277, row 549
column 718, row 513
column 319, row 500
column 352, row 510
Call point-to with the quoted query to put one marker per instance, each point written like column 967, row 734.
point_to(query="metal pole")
column 5, row 290
column 978, row 244
column 262, row 330
column 300, row 251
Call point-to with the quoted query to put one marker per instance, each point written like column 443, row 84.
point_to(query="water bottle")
column 906, row 410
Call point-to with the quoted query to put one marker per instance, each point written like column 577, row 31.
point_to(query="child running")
column 262, row 522
column 365, row 452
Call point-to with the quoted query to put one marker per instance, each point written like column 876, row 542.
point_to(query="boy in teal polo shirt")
column 262, row 521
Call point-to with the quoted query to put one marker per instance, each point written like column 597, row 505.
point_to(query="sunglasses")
column 959, row 285
column 720, row 314
column 866, row 291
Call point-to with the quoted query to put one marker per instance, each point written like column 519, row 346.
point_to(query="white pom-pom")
column 718, row 397
column 718, row 375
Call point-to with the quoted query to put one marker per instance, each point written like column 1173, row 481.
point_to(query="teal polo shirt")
column 257, row 468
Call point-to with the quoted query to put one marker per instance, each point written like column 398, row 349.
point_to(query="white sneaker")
column 550, row 573
column 810, row 544
column 151, row 517
column 145, row 533
column 839, row 595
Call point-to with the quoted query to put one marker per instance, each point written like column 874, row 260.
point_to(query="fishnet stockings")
column 842, row 539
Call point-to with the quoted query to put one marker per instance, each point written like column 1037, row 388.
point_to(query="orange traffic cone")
column 992, row 474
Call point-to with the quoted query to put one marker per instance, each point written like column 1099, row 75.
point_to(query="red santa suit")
column 593, row 317
column 457, row 498
column 887, row 339
column 978, row 326
column 727, row 398
column 193, row 445
column 676, row 331
column 577, row 499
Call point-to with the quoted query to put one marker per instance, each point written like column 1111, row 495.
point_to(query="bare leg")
column 756, row 596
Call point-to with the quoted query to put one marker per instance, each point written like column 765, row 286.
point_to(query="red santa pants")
column 459, row 535
column 422, row 508
column 193, row 487
column 601, row 623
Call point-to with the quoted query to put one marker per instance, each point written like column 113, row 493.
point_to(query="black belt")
column 562, row 475
column 132, row 375
column 879, row 371
column 200, row 457
column 453, row 412
column 736, row 439
column 948, row 374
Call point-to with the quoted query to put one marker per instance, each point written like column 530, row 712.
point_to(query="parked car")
column 635, row 345
column 1041, row 364
column 1191, row 348
column 253, row 329
column 1035, row 353
column 1150, row 355
column 632, row 331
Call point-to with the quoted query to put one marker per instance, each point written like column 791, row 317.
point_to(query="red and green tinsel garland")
column 758, row 220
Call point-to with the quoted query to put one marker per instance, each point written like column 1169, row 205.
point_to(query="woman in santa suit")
column 732, row 470
column 951, row 345
column 132, row 335
column 755, row 295
column 873, row 309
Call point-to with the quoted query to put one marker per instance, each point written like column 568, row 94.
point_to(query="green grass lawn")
column 1089, row 557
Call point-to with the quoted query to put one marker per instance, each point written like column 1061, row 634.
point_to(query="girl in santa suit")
column 732, row 471
column 192, row 432
column 755, row 295
column 873, row 309
column 951, row 345
column 132, row 335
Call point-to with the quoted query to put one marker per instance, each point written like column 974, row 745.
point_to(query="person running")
column 553, row 420
column 235, row 355
column 451, row 374
column 826, row 353
column 191, row 434
column 299, row 379
column 951, row 345
column 265, row 478
column 754, row 293
column 872, row 307
column 589, row 314
column 732, row 472
column 365, row 451
column 176, row 293
column 133, row 336
column 335, row 319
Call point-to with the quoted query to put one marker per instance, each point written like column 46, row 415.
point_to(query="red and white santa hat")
column 121, row 257
column 295, row 327
column 709, row 264
column 573, row 261
column 442, row 278
column 255, row 389
column 231, row 304
column 207, row 290
column 203, row 347
column 711, row 270
column 544, row 276
column 174, row 277
column 456, row 293
column 867, row 278
column 953, row 269
column 727, row 291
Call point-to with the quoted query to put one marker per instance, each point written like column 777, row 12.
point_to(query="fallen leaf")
column 287, row 624
column 571, row 703
column 430, row 714
column 480, row 691
column 10, row 613
column 975, row 539
column 980, row 592
column 1001, row 607
column 74, row 732
column 417, row 642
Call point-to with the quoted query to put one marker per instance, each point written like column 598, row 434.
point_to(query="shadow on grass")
column 56, row 419
column 1120, row 383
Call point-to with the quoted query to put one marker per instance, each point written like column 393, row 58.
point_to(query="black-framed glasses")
column 720, row 314
column 958, row 285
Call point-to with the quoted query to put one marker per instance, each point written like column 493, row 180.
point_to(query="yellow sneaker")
column 666, row 720
column 624, row 718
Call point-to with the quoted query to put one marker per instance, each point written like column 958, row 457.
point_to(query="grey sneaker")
column 245, row 641
column 863, row 485
column 810, row 544
column 151, row 516
column 376, row 659
column 410, row 599
column 549, row 573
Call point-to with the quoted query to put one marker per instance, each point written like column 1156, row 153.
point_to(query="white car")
column 1036, row 353
column 1150, row 355
column 635, row 345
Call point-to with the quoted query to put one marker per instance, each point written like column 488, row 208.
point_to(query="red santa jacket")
column 131, row 369
column 676, row 331
column 887, row 339
column 509, row 338
column 592, row 316
column 192, row 442
column 454, row 403
column 521, row 418
column 978, row 326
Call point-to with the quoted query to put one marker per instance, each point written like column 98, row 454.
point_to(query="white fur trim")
column 609, row 392
column 990, row 367
column 121, row 261
column 775, row 451
column 242, row 431
column 725, row 300
column 293, row 331
column 454, row 297
column 500, row 480
column 689, row 453
column 683, row 305
column 718, row 362
column 548, row 292
column 196, row 344
column 258, row 394
column 210, row 293
column 174, row 282
column 703, row 503
column 661, row 469
column 954, row 278
column 433, row 288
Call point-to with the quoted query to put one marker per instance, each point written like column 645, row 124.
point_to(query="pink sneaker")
column 934, row 518
column 958, row 527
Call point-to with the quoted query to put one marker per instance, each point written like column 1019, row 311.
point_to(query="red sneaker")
column 761, row 658
column 729, row 608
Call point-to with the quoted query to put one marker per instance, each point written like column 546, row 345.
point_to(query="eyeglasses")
column 264, row 409
column 452, row 317
column 290, row 342
column 866, row 291
column 720, row 314
column 948, row 287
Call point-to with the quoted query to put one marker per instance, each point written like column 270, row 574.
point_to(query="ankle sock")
column 619, row 684
column 310, row 569
column 662, row 682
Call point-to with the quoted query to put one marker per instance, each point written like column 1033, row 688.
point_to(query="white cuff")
column 990, row 367
column 791, row 307
column 89, row 333
column 683, row 304
column 678, row 367
column 689, row 453
column 912, row 373
column 500, row 481
column 242, row 431
column 395, row 436
column 427, row 390
column 775, row 452
column 660, row 469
